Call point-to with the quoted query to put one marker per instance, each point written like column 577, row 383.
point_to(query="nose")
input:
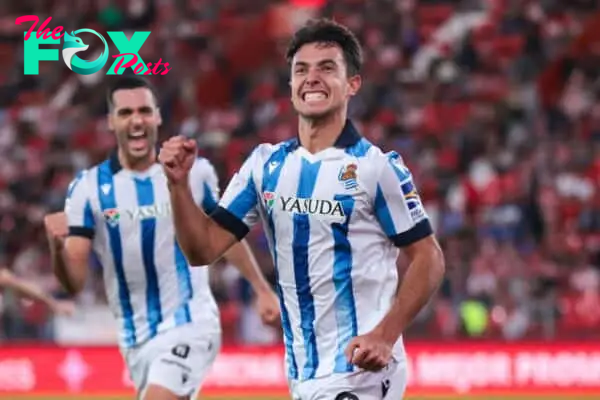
column 312, row 77
column 136, row 119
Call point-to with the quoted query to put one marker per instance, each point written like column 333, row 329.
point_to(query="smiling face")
column 319, row 81
column 135, row 118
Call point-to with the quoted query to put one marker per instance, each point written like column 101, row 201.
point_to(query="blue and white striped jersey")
column 149, row 283
column 334, row 221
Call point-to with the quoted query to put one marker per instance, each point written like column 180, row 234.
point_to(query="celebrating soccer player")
column 336, row 210
column 170, row 329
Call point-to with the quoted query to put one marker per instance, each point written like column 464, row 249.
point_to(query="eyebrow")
column 321, row 62
column 126, row 110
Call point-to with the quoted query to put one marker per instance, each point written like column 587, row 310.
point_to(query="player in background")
column 336, row 210
column 120, row 209
column 28, row 289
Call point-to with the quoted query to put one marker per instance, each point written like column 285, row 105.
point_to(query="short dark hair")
column 328, row 31
column 128, row 82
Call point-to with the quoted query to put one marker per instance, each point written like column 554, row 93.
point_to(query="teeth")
column 137, row 135
column 318, row 96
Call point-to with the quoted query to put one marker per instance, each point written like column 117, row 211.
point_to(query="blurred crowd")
column 494, row 105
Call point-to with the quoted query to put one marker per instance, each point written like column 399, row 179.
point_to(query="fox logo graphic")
column 72, row 45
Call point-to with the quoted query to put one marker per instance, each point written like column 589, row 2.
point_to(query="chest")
column 319, row 193
column 126, row 201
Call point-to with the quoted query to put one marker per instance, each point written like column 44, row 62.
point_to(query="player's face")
column 135, row 119
column 319, row 81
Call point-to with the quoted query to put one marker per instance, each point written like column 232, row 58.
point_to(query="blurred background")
column 494, row 105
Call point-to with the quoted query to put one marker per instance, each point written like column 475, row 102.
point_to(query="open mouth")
column 314, row 96
column 138, row 140
column 137, row 135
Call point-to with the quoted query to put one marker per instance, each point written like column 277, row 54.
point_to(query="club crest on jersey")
column 348, row 176
column 269, row 199
column 112, row 216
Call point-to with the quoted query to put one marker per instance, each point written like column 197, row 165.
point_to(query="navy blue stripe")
column 420, row 231
column 269, row 184
column 301, row 238
column 186, row 291
column 230, row 222
column 108, row 205
column 345, row 307
column 145, row 197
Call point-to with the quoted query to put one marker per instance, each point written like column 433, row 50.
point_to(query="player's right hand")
column 177, row 156
column 56, row 226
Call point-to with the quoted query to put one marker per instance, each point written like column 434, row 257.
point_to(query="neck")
column 319, row 134
column 140, row 164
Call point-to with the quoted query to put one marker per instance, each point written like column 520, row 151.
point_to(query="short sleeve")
column 397, row 204
column 205, row 185
column 238, row 208
column 78, row 208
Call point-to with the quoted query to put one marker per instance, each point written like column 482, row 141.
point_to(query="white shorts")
column 178, row 360
column 389, row 383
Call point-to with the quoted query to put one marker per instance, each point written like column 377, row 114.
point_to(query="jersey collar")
column 347, row 138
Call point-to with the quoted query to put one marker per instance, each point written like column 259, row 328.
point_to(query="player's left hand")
column 369, row 351
column 267, row 305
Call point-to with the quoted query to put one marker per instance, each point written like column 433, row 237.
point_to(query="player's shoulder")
column 378, row 155
column 376, row 159
column 264, row 153
column 202, row 164
column 82, row 181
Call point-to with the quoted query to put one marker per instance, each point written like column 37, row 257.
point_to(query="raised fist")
column 177, row 156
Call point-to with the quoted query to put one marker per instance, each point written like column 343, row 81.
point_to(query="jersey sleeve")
column 397, row 204
column 205, row 185
column 238, row 208
column 78, row 208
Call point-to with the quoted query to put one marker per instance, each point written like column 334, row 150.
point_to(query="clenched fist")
column 177, row 157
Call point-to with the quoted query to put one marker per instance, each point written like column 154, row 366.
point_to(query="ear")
column 354, row 84
column 158, row 117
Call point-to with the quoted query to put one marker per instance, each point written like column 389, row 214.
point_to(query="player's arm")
column 32, row 291
column 240, row 254
column 203, row 238
column 402, row 217
column 70, row 235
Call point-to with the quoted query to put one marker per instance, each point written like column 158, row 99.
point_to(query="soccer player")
column 120, row 209
column 336, row 210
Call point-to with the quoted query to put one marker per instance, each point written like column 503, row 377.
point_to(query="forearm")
column 61, row 267
column 191, row 226
column 32, row 291
column 241, row 257
column 422, row 279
